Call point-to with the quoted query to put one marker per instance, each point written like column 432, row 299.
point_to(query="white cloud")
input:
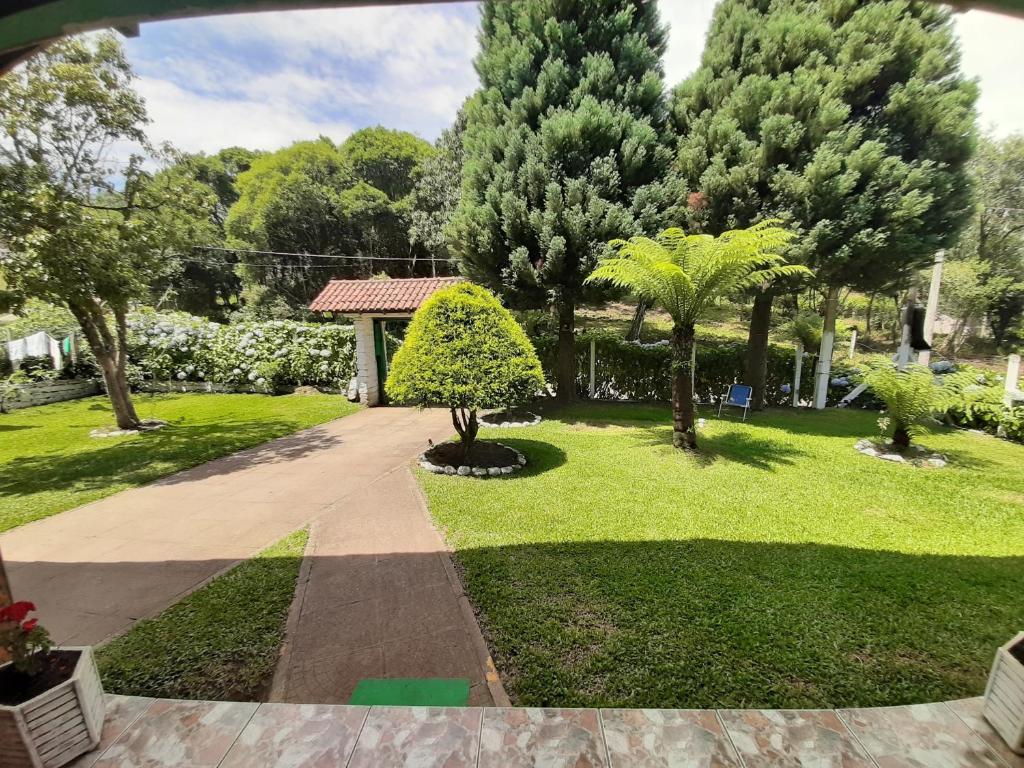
column 207, row 124
column 688, row 22
column 993, row 50
column 266, row 79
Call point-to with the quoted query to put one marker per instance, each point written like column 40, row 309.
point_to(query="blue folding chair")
column 738, row 395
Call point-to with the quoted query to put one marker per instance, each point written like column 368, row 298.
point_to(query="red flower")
column 17, row 611
column 29, row 625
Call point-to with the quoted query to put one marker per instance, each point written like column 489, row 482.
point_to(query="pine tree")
column 565, row 149
column 850, row 119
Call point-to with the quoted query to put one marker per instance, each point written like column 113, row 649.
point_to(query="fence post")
column 1012, row 375
column 853, row 342
column 593, row 368
column 797, row 370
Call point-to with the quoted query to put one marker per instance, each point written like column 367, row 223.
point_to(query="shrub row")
column 258, row 356
column 629, row 371
column 981, row 407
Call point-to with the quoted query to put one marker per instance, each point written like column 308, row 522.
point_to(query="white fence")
column 43, row 392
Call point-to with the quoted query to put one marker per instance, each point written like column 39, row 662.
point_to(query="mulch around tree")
column 483, row 454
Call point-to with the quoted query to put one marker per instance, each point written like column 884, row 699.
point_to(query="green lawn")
column 779, row 568
column 219, row 643
column 49, row 463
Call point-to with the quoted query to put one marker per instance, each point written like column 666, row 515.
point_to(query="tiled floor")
column 160, row 733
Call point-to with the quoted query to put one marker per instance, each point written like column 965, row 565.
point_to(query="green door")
column 380, row 352
column 387, row 338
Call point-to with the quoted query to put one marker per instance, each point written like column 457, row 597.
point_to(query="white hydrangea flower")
column 182, row 375
column 252, row 376
column 261, row 381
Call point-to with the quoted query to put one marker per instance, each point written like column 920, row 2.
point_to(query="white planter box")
column 1004, row 696
column 56, row 726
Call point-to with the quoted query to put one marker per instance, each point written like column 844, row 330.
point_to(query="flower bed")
column 258, row 357
column 486, row 459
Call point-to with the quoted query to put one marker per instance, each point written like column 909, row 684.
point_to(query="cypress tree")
column 565, row 149
column 851, row 120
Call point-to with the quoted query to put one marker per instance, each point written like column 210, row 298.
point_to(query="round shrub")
column 465, row 351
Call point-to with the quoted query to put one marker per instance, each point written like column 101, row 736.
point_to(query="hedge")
column 259, row 356
column 630, row 371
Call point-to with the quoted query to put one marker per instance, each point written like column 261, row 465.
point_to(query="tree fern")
column 686, row 275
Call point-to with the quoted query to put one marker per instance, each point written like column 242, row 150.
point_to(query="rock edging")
column 487, row 420
column 888, row 453
column 465, row 470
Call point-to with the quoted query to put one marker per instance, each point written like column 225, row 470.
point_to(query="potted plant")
column 1004, row 694
column 51, row 700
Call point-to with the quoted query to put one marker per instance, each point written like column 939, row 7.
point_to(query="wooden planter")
column 56, row 726
column 1004, row 695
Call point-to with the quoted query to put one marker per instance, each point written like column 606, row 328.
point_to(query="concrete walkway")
column 377, row 597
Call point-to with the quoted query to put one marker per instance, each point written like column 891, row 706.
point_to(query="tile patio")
column 162, row 733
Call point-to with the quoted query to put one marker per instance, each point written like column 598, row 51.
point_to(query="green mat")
column 412, row 692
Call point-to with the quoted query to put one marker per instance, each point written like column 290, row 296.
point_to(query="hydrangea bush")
column 261, row 357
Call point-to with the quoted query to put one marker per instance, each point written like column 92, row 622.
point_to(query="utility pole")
column 925, row 355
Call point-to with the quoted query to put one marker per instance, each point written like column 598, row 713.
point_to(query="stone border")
column 505, row 424
column 923, row 457
column 146, row 425
column 465, row 470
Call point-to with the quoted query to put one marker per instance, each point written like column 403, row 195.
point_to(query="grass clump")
column 219, row 643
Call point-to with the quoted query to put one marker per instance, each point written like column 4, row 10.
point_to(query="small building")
column 377, row 308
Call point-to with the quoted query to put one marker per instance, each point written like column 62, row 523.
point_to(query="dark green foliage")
column 851, row 119
column 564, row 146
column 435, row 196
column 218, row 644
column 350, row 201
column 643, row 372
column 464, row 350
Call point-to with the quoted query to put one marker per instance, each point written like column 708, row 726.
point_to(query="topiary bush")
column 465, row 351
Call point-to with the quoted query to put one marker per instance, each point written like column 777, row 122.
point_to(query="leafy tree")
column 204, row 282
column 685, row 275
column 850, row 120
column 318, row 198
column 465, row 351
column 564, row 149
column 435, row 196
column 994, row 242
column 73, row 236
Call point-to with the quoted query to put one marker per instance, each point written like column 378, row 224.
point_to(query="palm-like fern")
column 685, row 275
column 911, row 395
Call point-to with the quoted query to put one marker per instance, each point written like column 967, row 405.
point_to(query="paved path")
column 379, row 600
column 162, row 733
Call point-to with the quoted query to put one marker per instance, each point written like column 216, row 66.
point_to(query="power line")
column 313, row 255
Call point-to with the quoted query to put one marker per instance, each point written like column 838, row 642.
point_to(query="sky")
column 265, row 80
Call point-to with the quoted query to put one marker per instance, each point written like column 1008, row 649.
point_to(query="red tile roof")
column 365, row 296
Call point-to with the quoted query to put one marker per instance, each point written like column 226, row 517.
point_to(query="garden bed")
column 485, row 459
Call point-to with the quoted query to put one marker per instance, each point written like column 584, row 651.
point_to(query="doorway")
column 388, row 335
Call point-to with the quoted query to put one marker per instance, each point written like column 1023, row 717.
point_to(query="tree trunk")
column 684, row 434
column 111, row 356
column 637, row 325
column 565, row 367
column 467, row 426
column 756, row 369
column 901, row 438
column 867, row 318
column 828, row 336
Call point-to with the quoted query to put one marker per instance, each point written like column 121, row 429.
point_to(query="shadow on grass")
column 13, row 427
column 540, row 456
column 678, row 623
column 150, row 455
